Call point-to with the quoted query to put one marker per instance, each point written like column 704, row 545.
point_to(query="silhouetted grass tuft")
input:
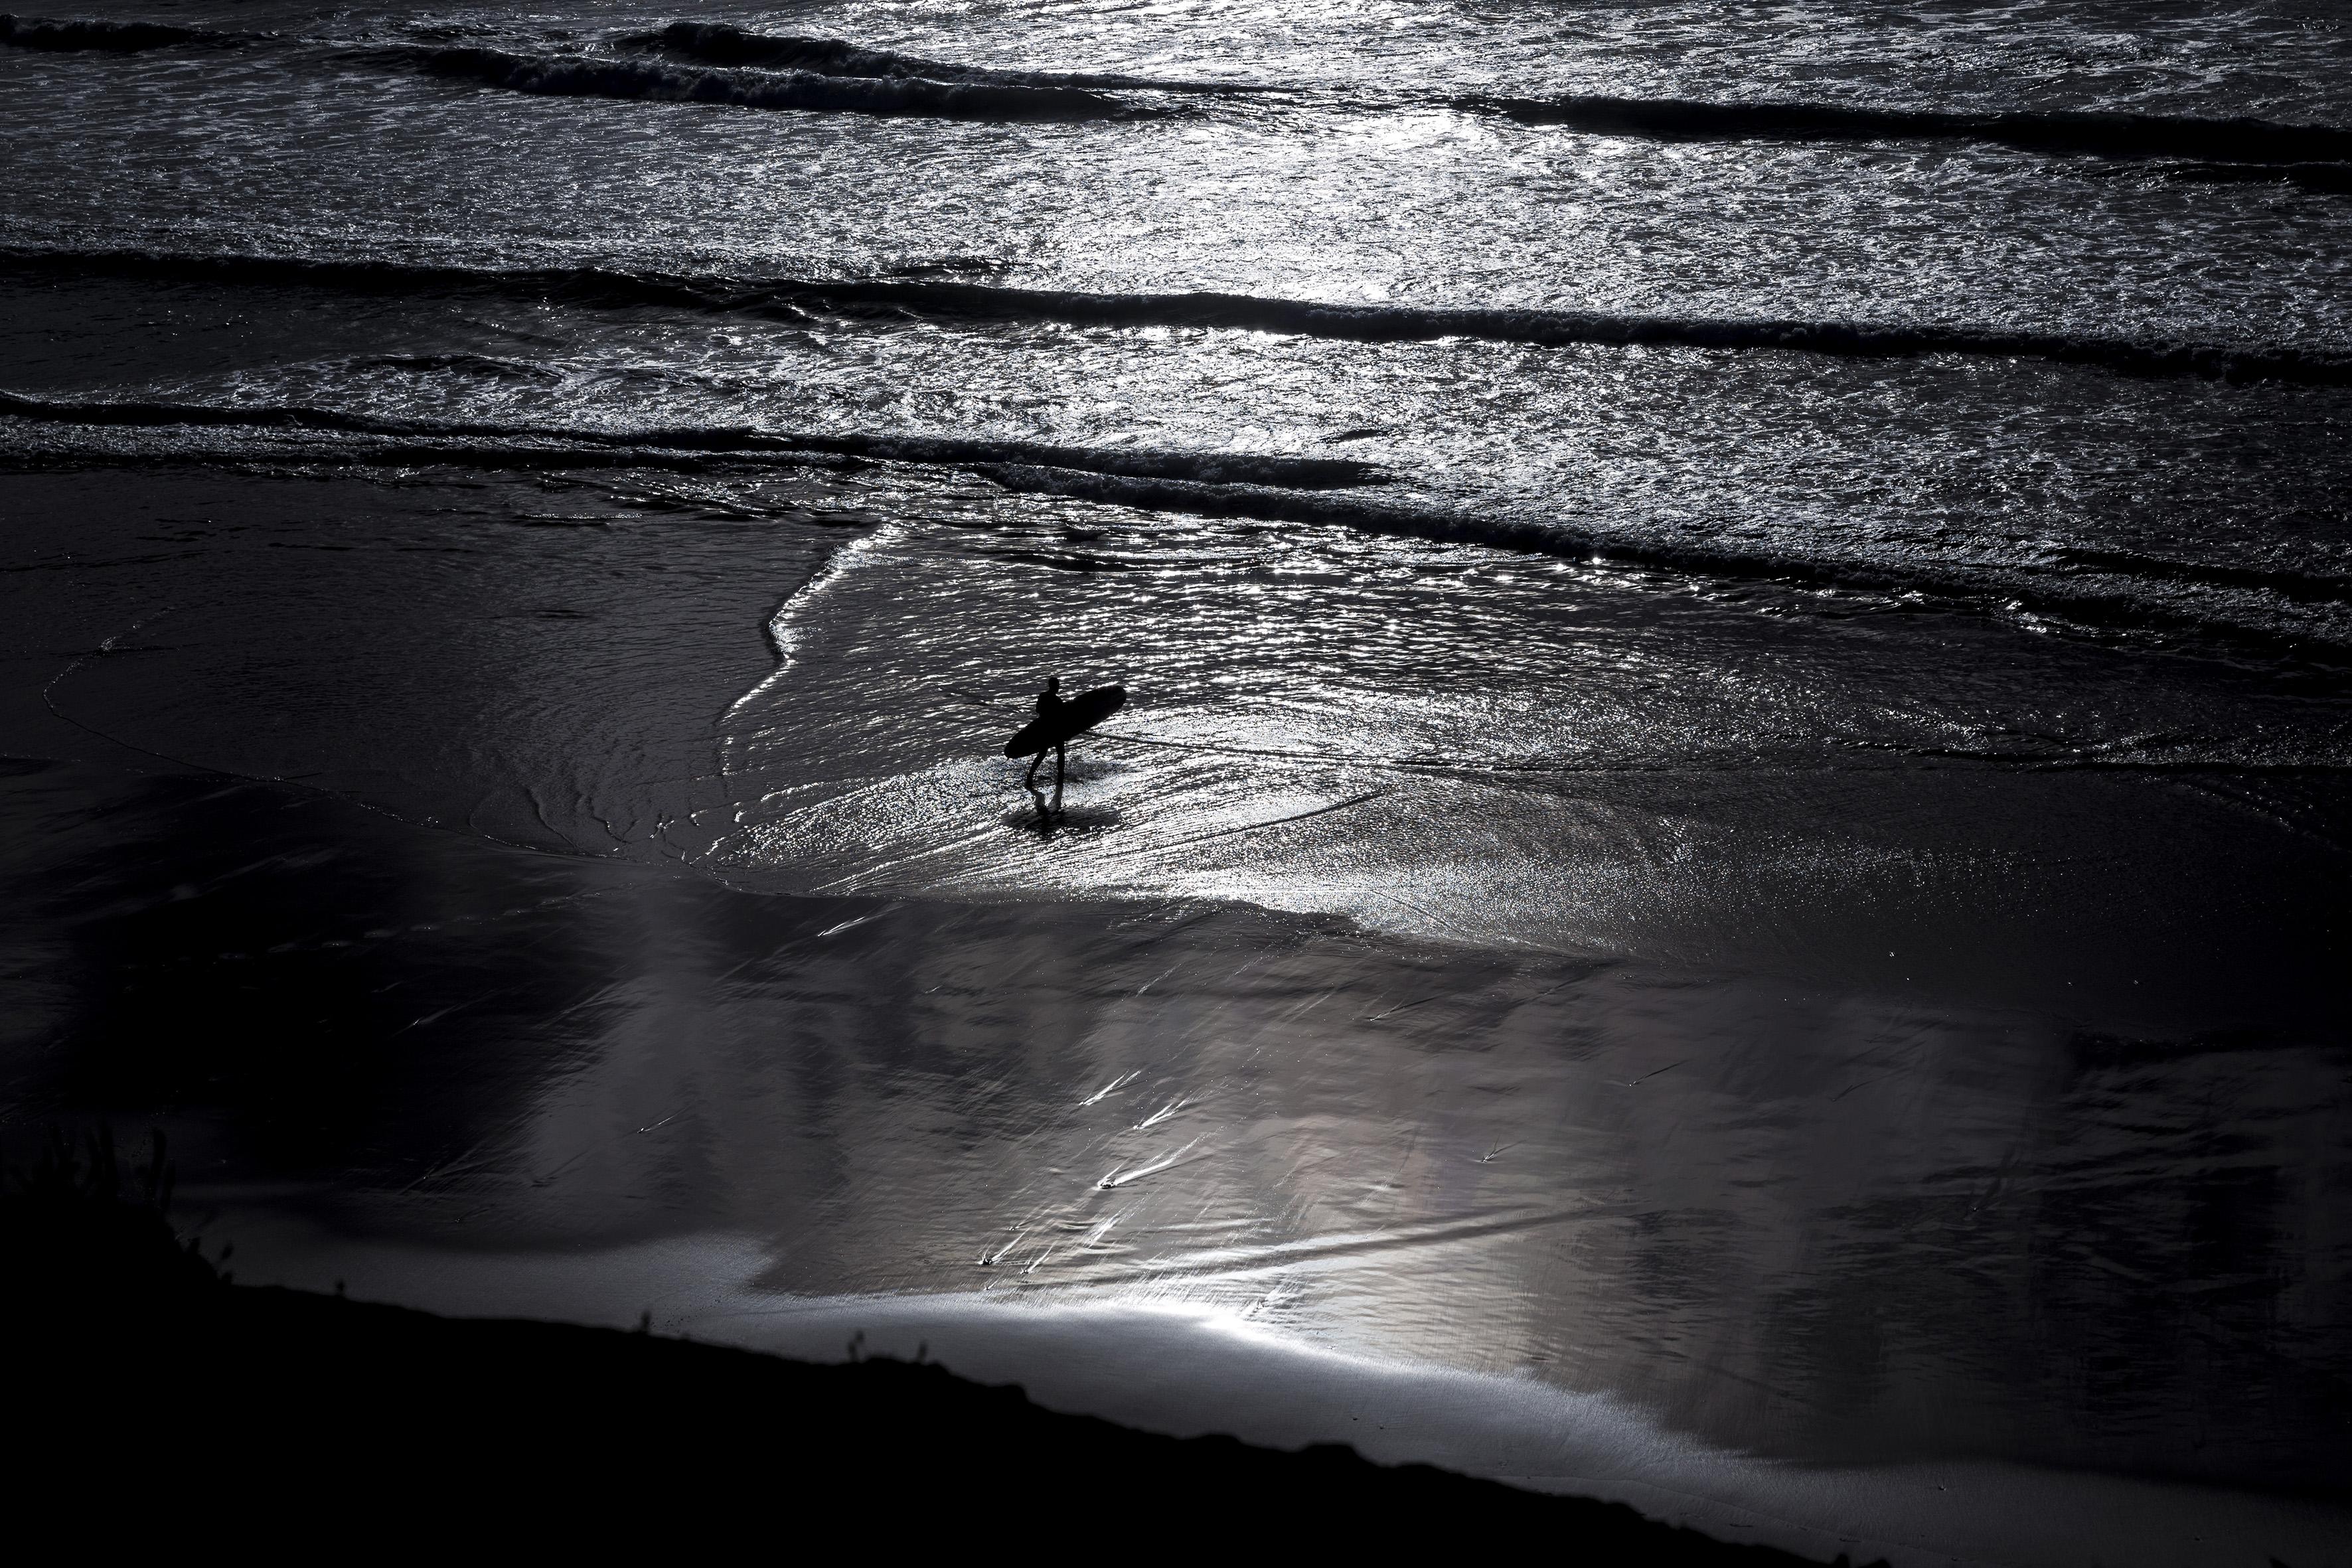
column 81, row 1226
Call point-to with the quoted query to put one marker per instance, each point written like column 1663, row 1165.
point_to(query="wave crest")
column 112, row 37
column 584, row 76
column 1138, row 463
column 2093, row 589
column 2240, row 141
column 726, row 45
column 798, row 298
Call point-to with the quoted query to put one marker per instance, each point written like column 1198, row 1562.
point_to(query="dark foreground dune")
column 153, row 1393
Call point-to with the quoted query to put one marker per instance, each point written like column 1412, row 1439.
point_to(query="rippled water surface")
column 1735, row 620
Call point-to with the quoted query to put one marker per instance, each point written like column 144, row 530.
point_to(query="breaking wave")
column 1142, row 463
column 726, row 46
column 111, row 37
column 2039, row 131
column 2119, row 592
column 585, row 76
column 795, row 299
column 2098, row 591
column 758, row 70
column 1552, row 328
column 487, row 365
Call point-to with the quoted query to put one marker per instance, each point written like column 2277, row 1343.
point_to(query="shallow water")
column 1732, row 800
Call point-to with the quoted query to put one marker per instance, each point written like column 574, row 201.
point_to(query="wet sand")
column 1743, row 1214
column 1977, row 1127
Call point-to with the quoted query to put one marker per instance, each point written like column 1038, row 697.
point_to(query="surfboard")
column 1075, row 716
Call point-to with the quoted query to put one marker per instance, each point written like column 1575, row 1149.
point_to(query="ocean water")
column 1733, row 802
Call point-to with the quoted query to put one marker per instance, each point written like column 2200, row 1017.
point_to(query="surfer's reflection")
column 1057, row 720
column 1047, row 812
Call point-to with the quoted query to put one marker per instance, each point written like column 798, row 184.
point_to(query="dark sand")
column 1914, row 1162
column 157, row 1393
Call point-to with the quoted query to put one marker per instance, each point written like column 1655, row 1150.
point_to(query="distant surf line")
column 892, row 299
column 833, row 75
column 2099, row 604
column 723, row 45
column 657, row 81
column 1138, row 462
column 2094, row 131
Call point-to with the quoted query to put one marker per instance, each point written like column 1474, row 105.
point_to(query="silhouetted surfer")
column 1058, row 719
column 1049, row 707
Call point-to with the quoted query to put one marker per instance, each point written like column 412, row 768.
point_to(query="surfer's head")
column 1053, row 683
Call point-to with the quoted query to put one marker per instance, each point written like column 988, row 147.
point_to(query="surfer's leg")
column 1060, row 757
column 1031, row 776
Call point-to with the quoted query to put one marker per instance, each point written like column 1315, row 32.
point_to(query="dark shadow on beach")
column 352, row 1417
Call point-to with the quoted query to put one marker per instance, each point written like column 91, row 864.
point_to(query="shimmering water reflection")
column 1828, row 1223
